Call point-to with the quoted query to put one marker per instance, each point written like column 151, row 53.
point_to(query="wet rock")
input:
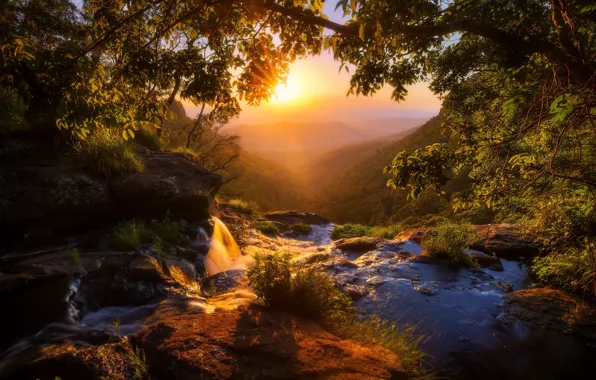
column 355, row 292
column 425, row 290
column 315, row 258
column 289, row 217
column 253, row 342
column 506, row 286
column 226, row 281
column 415, row 235
column 359, row 244
column 553, row 309
column 487, row 261
column 375, row 281
column 505, row 240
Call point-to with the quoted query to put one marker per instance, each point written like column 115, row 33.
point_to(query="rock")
column 53, row 199
column 375, row 281
column 358, row 244
column 146, row 269
column 253, row 342
column 553, row 309
column 505, row 240
column 289, row 217
column 314, row 258
column 506, row 286
column 487, row 261
column 355, row 292
column 73, row 361
column 425, row 290
column 415, row 235
column 226, row 281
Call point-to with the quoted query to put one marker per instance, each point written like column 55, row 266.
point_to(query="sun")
column 286, row 92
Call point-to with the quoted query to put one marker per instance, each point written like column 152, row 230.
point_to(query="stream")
column 458, row 311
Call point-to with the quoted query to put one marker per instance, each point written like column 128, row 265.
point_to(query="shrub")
column 243, row 206
column 267, row 227
column 449, row 240
column 300, row 228
column 572, row 268
column 311, row 293
column 107, row 154
column 271, row 279
column 131, row 234
column 148, row 139
column 385, row 232
column 349, row 231
column 167, row 229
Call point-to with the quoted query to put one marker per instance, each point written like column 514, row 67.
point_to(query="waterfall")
column 224, row 253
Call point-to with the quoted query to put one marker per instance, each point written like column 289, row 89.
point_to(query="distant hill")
column 348, row 184
column 269, row 184
column 313, row 138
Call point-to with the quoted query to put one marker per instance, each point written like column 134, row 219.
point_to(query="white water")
column 224, row 253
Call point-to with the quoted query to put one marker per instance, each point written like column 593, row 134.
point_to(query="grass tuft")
column 135, row 357
column 107, row 154
column 131, row 234
column 243, row 206
column 385, row 232
column 349, row 230
column 300, row 228
column 267, row 227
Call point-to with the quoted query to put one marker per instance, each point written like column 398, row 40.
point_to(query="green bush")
column 572, row 268
column 243, row 206
column 271, row 279
column 148, row 139
column 106, row 153
column 349, row 231
column 267, row 227
column 385, row 232
column 300, row 228
column 449, row 240
column 131, row 234
column 310, row 293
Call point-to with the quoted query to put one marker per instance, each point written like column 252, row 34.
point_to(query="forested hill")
column 348, row 184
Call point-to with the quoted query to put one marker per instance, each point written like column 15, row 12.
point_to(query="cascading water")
column 224, row 253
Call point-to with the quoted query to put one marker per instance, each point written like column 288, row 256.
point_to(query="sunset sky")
column 315, row 90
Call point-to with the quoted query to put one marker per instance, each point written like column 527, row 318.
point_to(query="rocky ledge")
column 42, row 200
column 554, row 309
column 503, row 240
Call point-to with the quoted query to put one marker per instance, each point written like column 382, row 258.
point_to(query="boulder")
column 552, row 308
column 254, row 342
column 505, row 240
column 358, row 244
column 42, row 200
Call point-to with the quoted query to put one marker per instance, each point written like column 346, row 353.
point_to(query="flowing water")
column 457, row 310
column 224, row 253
